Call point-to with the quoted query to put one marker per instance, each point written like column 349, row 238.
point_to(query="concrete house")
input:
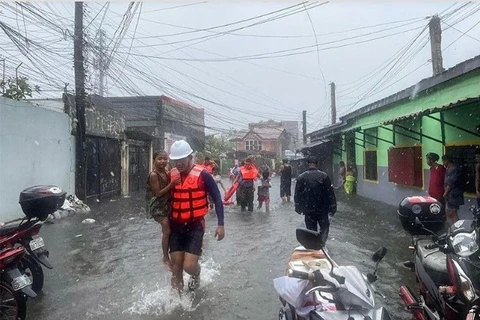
column 266, row 141
column 388, row 139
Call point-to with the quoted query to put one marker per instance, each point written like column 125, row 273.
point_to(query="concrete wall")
column 36, row 147
column 390, row 193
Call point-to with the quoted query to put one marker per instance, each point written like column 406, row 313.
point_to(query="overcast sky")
column 233, row 71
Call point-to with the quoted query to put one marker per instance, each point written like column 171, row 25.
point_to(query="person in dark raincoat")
column 314, row 197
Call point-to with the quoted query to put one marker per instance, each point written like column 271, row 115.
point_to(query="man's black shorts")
column 285, row 189
column 187, row 237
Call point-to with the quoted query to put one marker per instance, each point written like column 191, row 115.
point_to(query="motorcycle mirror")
column 379, row 254
column 309, row 239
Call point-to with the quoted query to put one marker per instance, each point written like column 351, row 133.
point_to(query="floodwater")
column 111, row 269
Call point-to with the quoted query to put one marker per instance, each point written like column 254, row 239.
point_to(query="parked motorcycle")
column 447, row 269
column 15, row 286
column 37, row 203
column 317, row 288
column 26, row 235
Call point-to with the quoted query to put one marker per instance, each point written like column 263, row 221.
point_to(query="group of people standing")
column 447, row 183
column 180, row 198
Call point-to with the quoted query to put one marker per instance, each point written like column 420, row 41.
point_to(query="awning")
column 417, row 114
column 316, row 143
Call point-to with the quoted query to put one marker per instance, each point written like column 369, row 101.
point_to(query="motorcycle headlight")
column 465, row 244
column 466, row 286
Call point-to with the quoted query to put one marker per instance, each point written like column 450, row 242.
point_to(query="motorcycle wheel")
column 12, row 305
column 33, row 269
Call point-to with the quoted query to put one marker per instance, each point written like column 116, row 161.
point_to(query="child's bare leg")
column 267, row 205
column 165, row 235
column 259, row 204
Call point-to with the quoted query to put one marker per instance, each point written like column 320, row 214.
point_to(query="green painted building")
column 387, row 140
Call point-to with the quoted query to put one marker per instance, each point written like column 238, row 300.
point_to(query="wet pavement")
column 111, row 269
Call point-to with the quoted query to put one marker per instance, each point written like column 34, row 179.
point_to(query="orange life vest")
column 249, row 174
column 189, row 199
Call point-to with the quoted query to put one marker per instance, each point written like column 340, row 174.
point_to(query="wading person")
column 314, row 197
column 189, row 207
column 453, row 193
column 285, row 181
column 237, row 178
column 350, row 179
column 342, row 171
column 263, row 191
column 158, row 198
column 246, row 177
column 437, row 177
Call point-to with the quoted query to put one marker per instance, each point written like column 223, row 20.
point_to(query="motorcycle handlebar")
column 301, row 275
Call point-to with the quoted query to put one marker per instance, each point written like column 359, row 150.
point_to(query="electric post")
column 436, row 45
column 80, row 141
column 304, row 113
column 333, row 105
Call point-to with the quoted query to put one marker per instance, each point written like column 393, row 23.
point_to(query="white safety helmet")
column 180, row 149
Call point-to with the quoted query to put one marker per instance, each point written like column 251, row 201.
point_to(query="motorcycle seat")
column 314, row 259
column 9, row 228
column 434, row 262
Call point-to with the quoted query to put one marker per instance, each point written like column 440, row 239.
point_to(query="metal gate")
column 139, row 155
column 103, row 166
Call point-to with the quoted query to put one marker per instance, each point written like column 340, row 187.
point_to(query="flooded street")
column 111, row 269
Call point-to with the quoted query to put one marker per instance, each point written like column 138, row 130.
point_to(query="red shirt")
column 437, row 180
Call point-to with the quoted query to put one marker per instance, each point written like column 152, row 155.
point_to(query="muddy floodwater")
column 111, row 269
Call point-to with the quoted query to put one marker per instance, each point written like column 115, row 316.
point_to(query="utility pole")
column 333, row 105
column 304, row 127
column 101, row 67
column 80, row 141
column 436, row 45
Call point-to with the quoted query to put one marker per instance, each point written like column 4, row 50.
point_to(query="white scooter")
column 316, row 288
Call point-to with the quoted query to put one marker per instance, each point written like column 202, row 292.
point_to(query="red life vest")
column 249, row 174
column 189, row 199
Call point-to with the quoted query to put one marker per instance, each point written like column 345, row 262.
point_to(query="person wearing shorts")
column 189, row 207
column 263, row 191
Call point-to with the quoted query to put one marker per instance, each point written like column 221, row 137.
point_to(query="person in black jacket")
column 314, row 197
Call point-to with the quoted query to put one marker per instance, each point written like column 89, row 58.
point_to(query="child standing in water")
column 158, row 198
column 263, row 191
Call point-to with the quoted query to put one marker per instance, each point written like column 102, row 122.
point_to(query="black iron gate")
column 139, row 156
column 103, row 166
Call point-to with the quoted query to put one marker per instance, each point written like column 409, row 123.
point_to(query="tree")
column 217, row 148
column 17, row 89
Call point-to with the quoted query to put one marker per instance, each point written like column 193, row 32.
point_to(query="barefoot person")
column 158, row 198
column 189, row 207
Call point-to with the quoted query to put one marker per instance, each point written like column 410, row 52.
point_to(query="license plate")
column 21, row 282
column 36, row 243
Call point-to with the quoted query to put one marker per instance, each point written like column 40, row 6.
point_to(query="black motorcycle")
column 447, row 268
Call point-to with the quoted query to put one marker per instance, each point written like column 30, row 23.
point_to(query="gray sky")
column 165, row 53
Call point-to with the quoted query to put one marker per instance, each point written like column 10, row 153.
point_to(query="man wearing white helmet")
column 189, row 207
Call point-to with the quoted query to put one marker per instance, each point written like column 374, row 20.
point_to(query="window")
column 405, row 166
column 464, row 156
column 253, row 145
column 371, row 165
